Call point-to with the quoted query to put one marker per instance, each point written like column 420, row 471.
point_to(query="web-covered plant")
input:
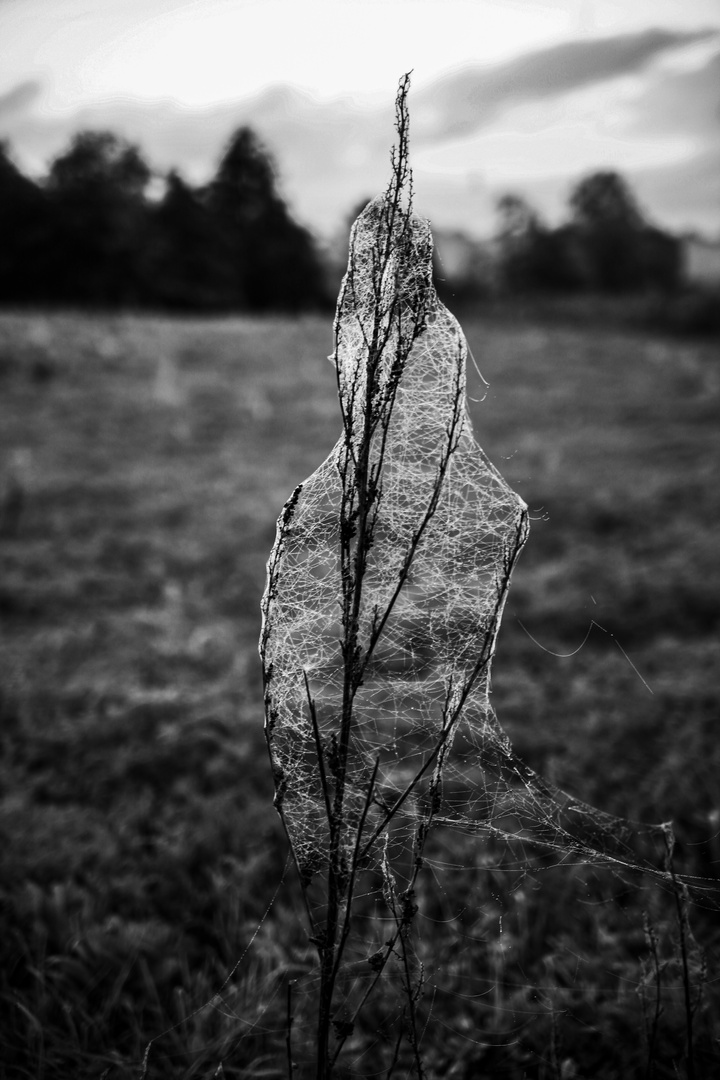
column 385, row 590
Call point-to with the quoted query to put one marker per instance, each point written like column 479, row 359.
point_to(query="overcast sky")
column 523, row 95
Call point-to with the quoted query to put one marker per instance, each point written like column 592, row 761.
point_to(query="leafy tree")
column 517, row 238
column 23, row 228
column 604, row 200
column 97, row 192
column 182, row 265
column 99, row 162
column 532, row 256
column 270, row 260
column 619, row 250
column 661, row 259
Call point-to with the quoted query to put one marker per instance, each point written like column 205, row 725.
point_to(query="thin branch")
column 680, row 892
column 288, row 1029
column 320, row 753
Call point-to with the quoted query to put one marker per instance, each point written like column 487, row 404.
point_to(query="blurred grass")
column 143, row 462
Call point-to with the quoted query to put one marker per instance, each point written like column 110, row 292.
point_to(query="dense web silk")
column 390, row 568
column 385, row 590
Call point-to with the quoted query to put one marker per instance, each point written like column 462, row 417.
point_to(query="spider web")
column 385, row 591
column 442, row 533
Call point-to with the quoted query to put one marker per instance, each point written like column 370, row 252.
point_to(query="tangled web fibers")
column 385, row 590
column 386, row 587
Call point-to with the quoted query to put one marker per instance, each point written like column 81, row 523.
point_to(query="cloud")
column 463, row 102
column 332, row 153
column 19, row 99
column 687, row 101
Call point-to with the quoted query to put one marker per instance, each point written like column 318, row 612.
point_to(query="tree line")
column 99, row 231
column 90, row 233
column 606, row 245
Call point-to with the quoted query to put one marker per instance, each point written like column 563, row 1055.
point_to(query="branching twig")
column 341, row 774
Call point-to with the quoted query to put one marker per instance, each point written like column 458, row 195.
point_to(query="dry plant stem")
column 403, row 918
column 652, row 940
column 385, row 590
column 681, row 904
column 396, row 1055
column 288, row 1030
column 361, row 491
column 555, row 1046
column 412, row 992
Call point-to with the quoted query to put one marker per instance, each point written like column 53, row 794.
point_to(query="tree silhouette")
column 23, row 228
column 271, row 260
column 532, row 257
column 88, row 234
column 619, row 250
column 604, row 200
column 181, row 262
column 96, row 191
column 606, row 246
column 518, row 238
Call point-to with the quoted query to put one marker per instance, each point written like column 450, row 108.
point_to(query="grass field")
column 143, row 462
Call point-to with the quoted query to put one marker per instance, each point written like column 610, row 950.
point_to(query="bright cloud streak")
column 578, row 132
column 211, row 50
column 325, row 47
column 201, row 52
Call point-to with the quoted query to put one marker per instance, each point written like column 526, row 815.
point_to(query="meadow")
column 143, row 462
